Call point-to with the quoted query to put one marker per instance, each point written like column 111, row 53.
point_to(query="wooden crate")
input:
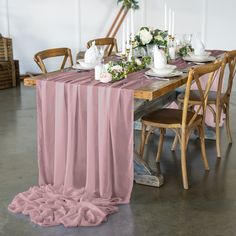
column 7, row 65
column 7, row 74
column 6, row 52
column 17, row 71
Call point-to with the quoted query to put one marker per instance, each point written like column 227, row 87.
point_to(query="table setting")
column 77, row 111
column 85, row 120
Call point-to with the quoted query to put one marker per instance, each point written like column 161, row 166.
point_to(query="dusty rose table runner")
column 85, row 150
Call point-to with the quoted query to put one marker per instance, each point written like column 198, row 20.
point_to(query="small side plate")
column 79, row 67
column 170, row 75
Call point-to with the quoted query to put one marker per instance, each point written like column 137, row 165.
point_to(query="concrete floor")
column 208, row 208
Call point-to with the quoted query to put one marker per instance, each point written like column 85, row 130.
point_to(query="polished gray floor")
column 208, row 208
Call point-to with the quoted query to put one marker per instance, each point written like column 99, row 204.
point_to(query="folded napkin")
column 198, row 46
column 91, row 54
column 159, row 58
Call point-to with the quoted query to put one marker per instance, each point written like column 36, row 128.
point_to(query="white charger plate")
column 169, row 75
column 201, row 60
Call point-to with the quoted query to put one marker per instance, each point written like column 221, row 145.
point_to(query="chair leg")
column 148, row 134
column 183, row 163
column 143, row 137
column 174, row 144
column 160, row 145
column 217, row 121
column 228, row 123
column 203, row 147
column 176, row 139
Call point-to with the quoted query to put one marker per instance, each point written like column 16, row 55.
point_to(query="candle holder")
column 129, row 49
column 127, row 53
column 171, row 48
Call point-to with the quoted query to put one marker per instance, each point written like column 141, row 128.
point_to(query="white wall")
column 221, row 24
column 36, row 25
column 3, row 17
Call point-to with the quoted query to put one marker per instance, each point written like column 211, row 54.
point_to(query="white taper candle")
column 127, row 33
column 123, row 39
column 132, row 23
column 169, row 27
column 165, row 17
column 173, row 24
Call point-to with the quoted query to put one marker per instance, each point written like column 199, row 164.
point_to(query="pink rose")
column 105, row 77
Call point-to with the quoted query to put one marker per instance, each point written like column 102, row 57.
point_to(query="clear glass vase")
column 139, row 52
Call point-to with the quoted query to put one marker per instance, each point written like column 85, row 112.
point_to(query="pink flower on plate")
column 105, row 77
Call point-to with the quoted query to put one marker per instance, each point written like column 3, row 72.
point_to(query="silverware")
column 157, row 78
column 199, row 63
column 79, row 71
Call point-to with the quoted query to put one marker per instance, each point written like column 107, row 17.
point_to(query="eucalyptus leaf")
column 134, row 4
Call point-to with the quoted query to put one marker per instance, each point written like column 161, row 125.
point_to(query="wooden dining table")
column 159, row 87
column 154, row 90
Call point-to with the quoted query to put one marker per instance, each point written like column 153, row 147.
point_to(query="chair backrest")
column 207, row 72
column 55, row 52
column 231, row 60
column 111, row 43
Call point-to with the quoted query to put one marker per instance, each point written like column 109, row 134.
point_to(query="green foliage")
column 120, row 69
column 184, row 50
column 130, row 3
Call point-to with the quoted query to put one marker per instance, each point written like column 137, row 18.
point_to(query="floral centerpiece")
column 148, row 36
column 120, row 69
column 134, row 4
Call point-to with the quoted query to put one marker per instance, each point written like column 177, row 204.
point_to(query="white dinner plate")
column 204, row 56
column 173, row 67
column 192, row 59
column 79, row 67
column 85, row 65
column 172, row 74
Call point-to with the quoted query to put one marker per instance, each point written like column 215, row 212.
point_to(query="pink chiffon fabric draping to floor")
column 85, row 150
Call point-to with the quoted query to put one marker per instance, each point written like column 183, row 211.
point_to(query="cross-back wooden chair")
column 110, row 43
column 54, row 52
column 220, row 99
column 182, row 122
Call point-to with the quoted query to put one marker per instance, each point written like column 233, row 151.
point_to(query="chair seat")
column 169, row 117
column 195, row 96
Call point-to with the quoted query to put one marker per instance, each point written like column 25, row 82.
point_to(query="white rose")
column 138, row 62
column 117, row 68
column 105, row 77
column 145, row 36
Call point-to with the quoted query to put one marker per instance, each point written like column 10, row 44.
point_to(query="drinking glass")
column 101, row 51
column 187, row 39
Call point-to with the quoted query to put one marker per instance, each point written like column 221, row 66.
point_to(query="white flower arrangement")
column 147, row 36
